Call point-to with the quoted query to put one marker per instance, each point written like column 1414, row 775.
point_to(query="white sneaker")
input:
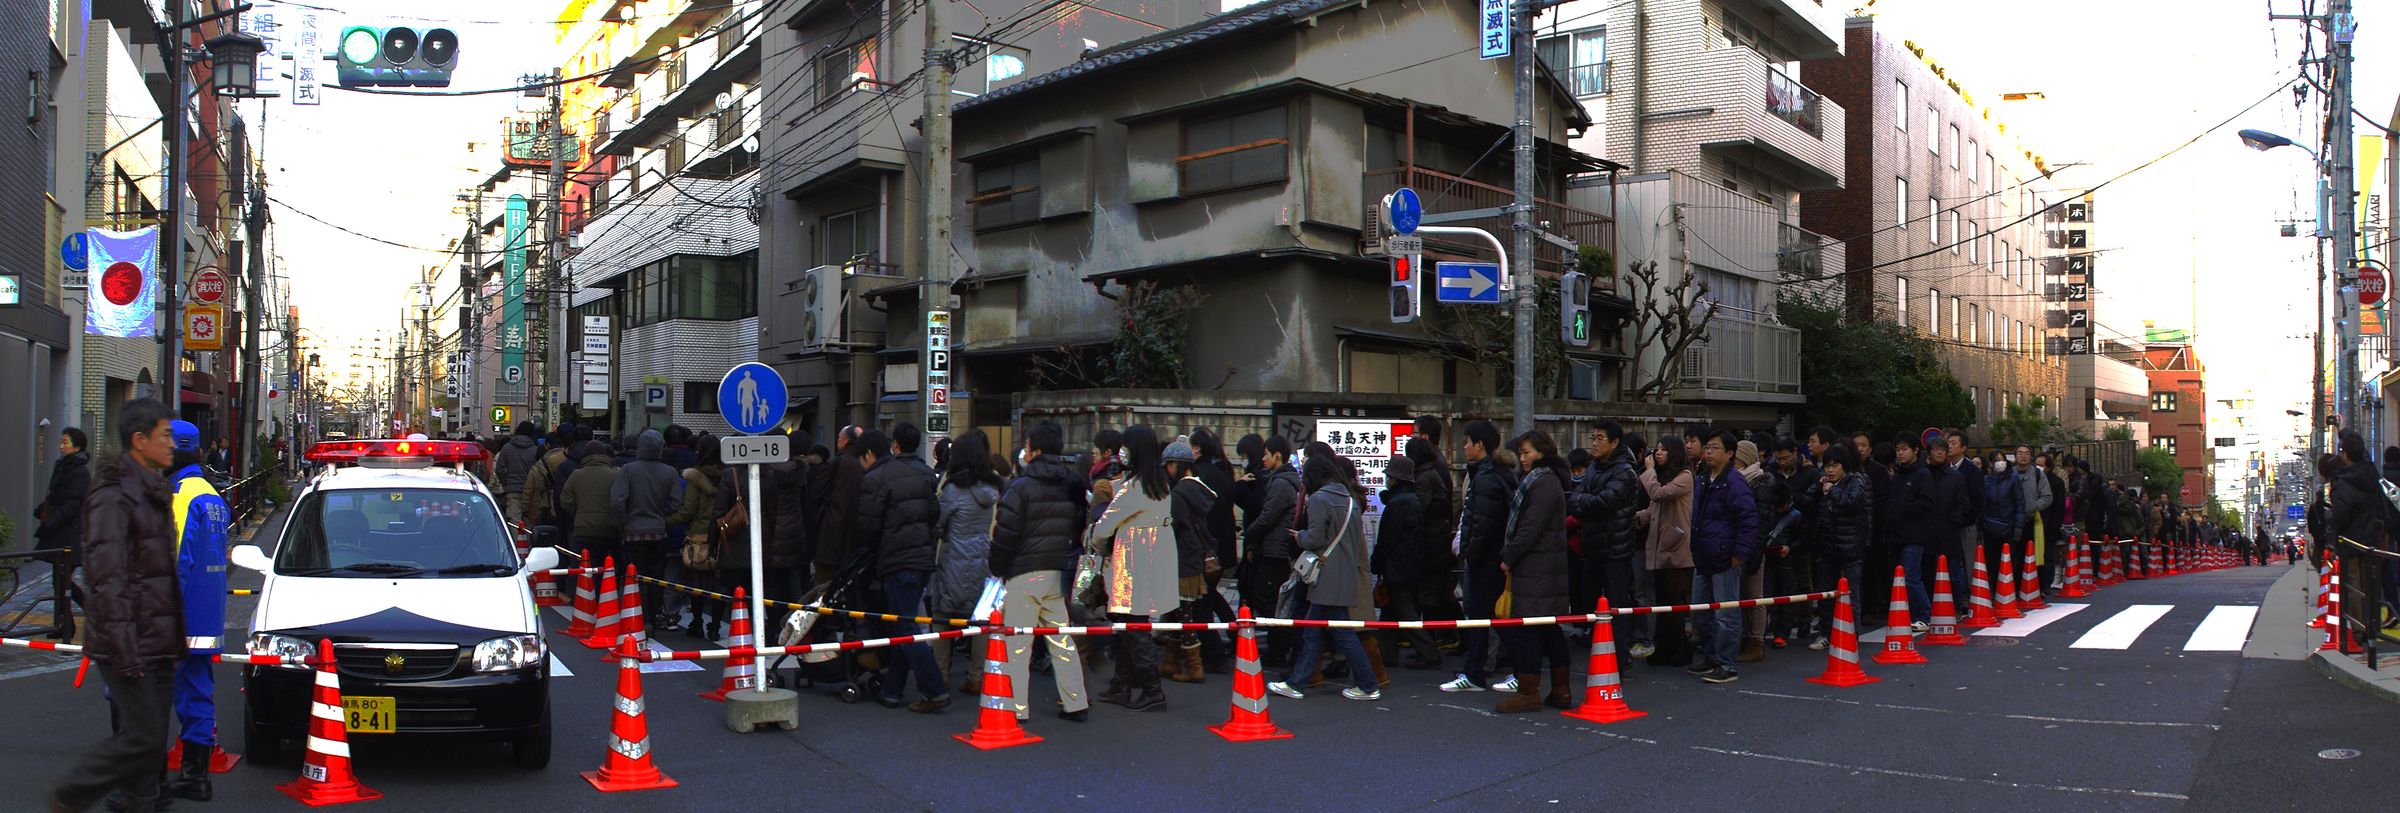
column 1285, row 689
column 1509, row 685
column 1641, row 650
column 1461, row 684
column 1818, row 644
column 1356, row 693
column 1919, row 627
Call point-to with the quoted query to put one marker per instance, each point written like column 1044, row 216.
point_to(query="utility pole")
column 2339, row 27
column 170, row 230
column 253, row 399
column 934, row 357
column 472, row 278
column 1527, row 287
column 554, row 375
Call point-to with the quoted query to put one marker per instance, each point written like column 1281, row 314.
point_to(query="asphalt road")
column 2005, row 724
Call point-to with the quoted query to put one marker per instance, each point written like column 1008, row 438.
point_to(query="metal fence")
column 2367, row 614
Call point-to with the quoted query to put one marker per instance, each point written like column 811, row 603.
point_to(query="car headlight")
column 283, row 646
column 509, row 652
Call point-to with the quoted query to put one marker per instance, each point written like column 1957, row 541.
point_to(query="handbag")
column 735, row 521
column 1508, row 595
column 1312, row 563
column 1088, row 590
column 700, row 552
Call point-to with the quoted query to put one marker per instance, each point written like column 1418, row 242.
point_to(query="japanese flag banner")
column 124, row 290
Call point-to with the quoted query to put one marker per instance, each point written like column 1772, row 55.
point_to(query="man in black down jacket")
column 1605, row 502
column 136, row 613
column 1035, row 531
column 61, row 529
column 1268, row 541
column 516, row 458
column 1483, row 529
column 896, row 509
column 1401, row 558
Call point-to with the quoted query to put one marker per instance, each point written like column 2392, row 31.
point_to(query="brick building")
column 2178, row 415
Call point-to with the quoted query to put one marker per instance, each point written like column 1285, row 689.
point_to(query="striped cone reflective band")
column 2072, row 585
column 325, row 777
column 630, row 620
column 1979, row 600
column 996, row 724
column 1899, row 643
column 741, row 671
column 1250, row 721
column 2091, row 570
column 1603, row 695
column 605, row 622
column 2324, row 587
column 2029, row 584
column 628, row 765
column 2004, row 593
column 1841, row 659
column 1944, row 628
column 2333, row 608
column 586, row 603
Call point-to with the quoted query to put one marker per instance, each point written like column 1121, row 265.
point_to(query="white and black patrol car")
column 401, row 558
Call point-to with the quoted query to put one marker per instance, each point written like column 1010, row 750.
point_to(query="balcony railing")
column 1791, row 101
column 1743, row 355
column 1449, row 193
column 1798, row 251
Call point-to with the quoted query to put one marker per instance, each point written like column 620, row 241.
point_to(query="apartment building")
column 2178, row 415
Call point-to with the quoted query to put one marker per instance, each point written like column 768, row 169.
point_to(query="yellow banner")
column 2370, row 203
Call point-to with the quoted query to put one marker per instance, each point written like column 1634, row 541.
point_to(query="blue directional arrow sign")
column 1467, row 283
column 751, row 398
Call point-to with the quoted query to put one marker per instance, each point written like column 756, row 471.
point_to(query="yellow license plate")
column 368, row 715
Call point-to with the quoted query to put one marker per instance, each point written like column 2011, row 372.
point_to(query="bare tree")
column 1672, row 321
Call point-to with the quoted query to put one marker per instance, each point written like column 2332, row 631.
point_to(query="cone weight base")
column 1249, row 732
column 1845, row 680
column 317, row 795
column 1598, row 713
column 748, row 710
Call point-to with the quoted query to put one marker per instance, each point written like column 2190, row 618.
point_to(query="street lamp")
column 233, row 63
column 2263, row 141
column 2337, row 205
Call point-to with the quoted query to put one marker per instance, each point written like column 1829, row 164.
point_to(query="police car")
column 400, row 557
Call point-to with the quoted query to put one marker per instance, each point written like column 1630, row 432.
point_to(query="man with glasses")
column 1724, row 536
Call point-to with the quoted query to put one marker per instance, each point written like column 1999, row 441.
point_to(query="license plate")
column 367, row 715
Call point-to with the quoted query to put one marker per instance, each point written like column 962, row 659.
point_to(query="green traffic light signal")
column 398, row 56
column 360, row 45
column 1583, row 329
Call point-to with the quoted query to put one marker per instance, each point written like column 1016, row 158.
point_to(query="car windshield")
column 396, row 533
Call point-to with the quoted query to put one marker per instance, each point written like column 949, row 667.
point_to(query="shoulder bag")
column 1311, row 562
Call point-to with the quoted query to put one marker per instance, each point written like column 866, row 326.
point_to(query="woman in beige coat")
column 1668, row 550
column 1136, row 537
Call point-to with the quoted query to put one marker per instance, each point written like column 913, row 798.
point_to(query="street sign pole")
column 758, row 569
column 752, row 400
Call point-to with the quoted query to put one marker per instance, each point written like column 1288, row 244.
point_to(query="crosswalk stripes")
column 2226, row 627
column 2033, row 621
column 2120, row 630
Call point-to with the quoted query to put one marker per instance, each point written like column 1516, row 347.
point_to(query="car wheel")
column 261, row 746
column 532, row 750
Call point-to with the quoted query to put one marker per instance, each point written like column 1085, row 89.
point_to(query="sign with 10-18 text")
column 741, row 449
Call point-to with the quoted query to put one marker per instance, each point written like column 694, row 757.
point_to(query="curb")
column 2346, row 670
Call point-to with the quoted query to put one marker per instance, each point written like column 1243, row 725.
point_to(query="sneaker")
column 1819, row 644
column 1701, row 667
column 1461, row 684
column 1356, row 693
column 1509, row 685
column 1779, row 642
column 1721, row 675
column 930, row 705
column 1641, row 649
column 1285, row 689
column 1918, row 628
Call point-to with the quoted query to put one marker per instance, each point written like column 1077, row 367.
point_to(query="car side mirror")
column 541, row 557
column 250, row 557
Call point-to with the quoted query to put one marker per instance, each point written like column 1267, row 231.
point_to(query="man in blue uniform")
column 201, row 520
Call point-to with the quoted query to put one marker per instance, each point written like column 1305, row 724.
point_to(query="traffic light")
column 398, row 56
column 1575, row 309
column 1404, row 288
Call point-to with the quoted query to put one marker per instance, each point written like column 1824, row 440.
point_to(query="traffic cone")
column 1603, row 694
column 1841, row 659
column 2091, row 568
column 2112, row 563
column 2332, row 623
column 325, row 777
column 1979, row 600
column 628, row 766
column 1944, row 629
column 1899, row 644
column 2072, row 585
column 2029, row 584
column 996, row 726
column 2324, row 588
column 607, row 623
column 631, row 623
column 585, row 602
column 741, row 671
column 1250, row 721
column 2175, row 559
column 2004, row 596
column 219, row 759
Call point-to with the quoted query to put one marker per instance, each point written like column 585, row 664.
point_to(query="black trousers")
column 1831, row 570
column 134, row 758
column 63, row 588
column 1612, row 578
column 1259, row 592
column 1408, row 603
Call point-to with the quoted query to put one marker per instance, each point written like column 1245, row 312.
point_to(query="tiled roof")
column 1220, row 26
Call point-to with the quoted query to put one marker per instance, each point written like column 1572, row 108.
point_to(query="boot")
column 1528, row 696
column 1560, row 696
column 191, row 781
column 1186, row 660
column 1375, row 657
column 1753, row 651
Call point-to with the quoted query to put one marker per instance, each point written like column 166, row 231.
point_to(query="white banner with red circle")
column 124, row 279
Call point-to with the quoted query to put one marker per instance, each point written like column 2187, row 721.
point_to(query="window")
column 1954, row 238
column 2163, row 401
column 1955, row 327
column 345, row 528
column 1954, row 146
column 1933, row 311
column 1933, row 220
column 700, row 397
column 1902, row 311
column 1933, row 130
column 1230, row 152
column 1900, row 103
column 1900, row 201
column 1579, row 58
column 844, row 68
column 2003, row 260
column 849, row 236
column 1974, row 236
column 2166, row 442
column 1972, row 165
column 1974, row 320
column 1008, row 194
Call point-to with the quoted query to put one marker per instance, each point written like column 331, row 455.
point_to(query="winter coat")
column 1194, row 503
column 135, row 605
column 61, row 512
column 1439, row 525
column 1845, row 517
column 585, row 503
column 1970, row 494
column 1536, row 551
column 1224, row 532
column 965, row 527
column 896, row 510
column 1272, row 529
column 840, row 503
column 2125, row 520
column 1725, row 521
column 786, row 512
column 1337, row 531
column 1396, row 556
column 645, row 491
column 696, row 513
column 1915, row 510
column 2360, row 512
column 2054, row 518
column 1957, row 493
column 541, row 486
column 1668, row 545
column 516, row 460
column 2004, row 506
column 2036, row 493
column 1483, row 523
column 1136, row 533
column 1606, row 502
column 1035, row 527
column 1800, row 485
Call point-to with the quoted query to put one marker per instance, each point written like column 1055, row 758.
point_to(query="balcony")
column 1746, row 110
column 1449, row 193
column 1791, row 101
column 840, row 134
column 1806, row 27
column 1745, row 359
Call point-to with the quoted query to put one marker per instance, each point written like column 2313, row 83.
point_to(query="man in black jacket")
column 1605, row 503
column 136, row 614
column 838, row 496
column 1791, row 565
column 61, row 529
column 1268, row 541
column 1920, row 519
column 896, row 509
column 1968, row 522
column 1401, row 560
column 1036, row 529
column 1483, row 529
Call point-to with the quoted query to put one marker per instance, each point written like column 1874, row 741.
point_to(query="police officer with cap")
column 201, row 525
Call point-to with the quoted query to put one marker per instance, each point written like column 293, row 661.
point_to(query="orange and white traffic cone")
column 2324, row 589
column 1979, row 600
column 2175, row 562
column 2029, row 584
column 586, row 605
column 1841, row 659
column 2332, row 621
column 1944, row 629
column 2072, row 585
column 2112, row 563
column 2004, row 593
column 2091, row 568
column 628, row 766
column 325, row 777
column 1603, row 693
column 741, row 671
column 607, row 624
column 1899, row 644
column 996, row 725
column 1250, row 721
column 631, row 622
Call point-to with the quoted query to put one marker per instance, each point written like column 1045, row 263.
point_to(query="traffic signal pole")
column 556, row 305
column 1521, row 50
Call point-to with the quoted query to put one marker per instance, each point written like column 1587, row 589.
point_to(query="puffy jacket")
column 1223, row 531
column 1439, row 525
column 1395, row 556
column 1272, row 529
column 645, row 490
column 1038, row 523
column 585, row 499
column 135, row 606
column 2003, row 505
column 1800, row 486
column 2125, row 518
column 541, row 482
column 2359, row 510
column 1536, row 550
column 516, row 460
column 896, row 510
column 1971, row 494
column 1483, row 523
column 965, row 528
column 696, row 512
column 1724, row 521
column 1958, row 493
column 840, row 499
column 1193, row 502
column 62, row 509
column 1914, row 508
column 1607, row 500
column 1845, row 517
column 788, row 532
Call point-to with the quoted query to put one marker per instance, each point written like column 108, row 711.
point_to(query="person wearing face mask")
column 2003, row 508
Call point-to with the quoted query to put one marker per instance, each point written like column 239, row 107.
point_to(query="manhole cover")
column 2337, row 753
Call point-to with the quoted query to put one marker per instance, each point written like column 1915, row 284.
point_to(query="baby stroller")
column 856, row 672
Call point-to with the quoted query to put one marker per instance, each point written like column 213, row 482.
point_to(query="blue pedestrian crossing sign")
column 2295, row 511
column 751, row 398
column 1467, row 283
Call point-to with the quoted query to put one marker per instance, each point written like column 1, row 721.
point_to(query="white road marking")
column 1977, row 713
column 558, row 668
column 2033, row 620
column 2120, row 630
column 2225, row 629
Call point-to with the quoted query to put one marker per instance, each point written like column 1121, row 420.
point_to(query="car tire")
column 531, row 750
column 261, row 746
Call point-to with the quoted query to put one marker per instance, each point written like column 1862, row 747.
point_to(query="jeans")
column 1037, row 599
column 1312, row 642
column 1720, row 631
column 133, row 759
column 904, row 595
column 1913, row 563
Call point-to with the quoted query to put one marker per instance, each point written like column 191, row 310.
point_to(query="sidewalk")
column 17, row 662
column 2348, row 670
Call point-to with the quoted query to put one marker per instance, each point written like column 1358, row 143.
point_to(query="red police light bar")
column 339, row 452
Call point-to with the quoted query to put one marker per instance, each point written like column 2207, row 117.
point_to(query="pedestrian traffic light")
column 1404, row 288
column 399, row 56
column 1575, row 309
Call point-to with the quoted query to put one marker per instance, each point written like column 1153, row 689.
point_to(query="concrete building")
column 37, row 43
column 1947, row 216
column 502, row 207
column 2178, row 415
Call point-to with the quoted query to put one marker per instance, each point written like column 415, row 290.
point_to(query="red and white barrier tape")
column 221, row 657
